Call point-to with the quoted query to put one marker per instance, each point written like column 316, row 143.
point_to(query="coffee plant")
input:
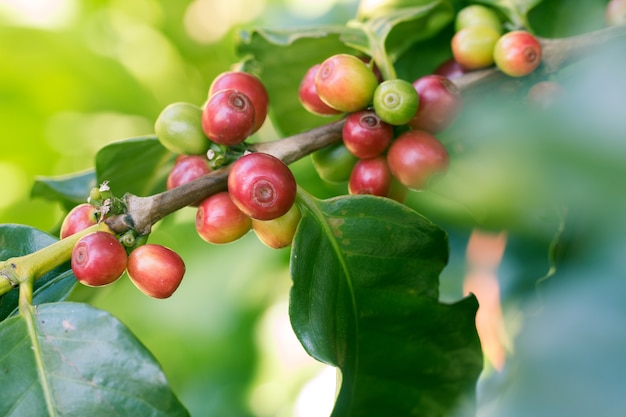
column 442, row 180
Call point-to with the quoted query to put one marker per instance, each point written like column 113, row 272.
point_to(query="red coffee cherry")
column 156, row 270
column 248, row 84
column 186, row 169
column 415, row 157
column 371, row 176
column 440, row 103
column 366, row 135
column 219, row 220
column 345, row 82
column 228, row 117
column 98, row 259
column 517, row 53
column 79, row 218
column 262, row 186
column 310, row 100
column 450, row 69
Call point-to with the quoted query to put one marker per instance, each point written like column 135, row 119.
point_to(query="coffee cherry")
column 416, row 157
column 219, row 220
column 179, row 129
column 80, row 217
column 450, row 69
column 472, row 47
column 396, row 101
column 346, row 83
column 517, row 53
column 279, row 232
column 440, row 103
column 477, row 15
column 156, row 270
column 228, row 117
column 249, row 85
column 186, row 169
column 310, row 100
column 615, row 13
column 334, row 163
column 365, row 135
column 371, row 176
column 262, row 186
column 98, row 259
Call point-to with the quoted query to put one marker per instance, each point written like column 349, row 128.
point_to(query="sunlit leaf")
column 68, row 190
column 365, row 299
column 56, row 285
column 138, row 166
column 89, row 364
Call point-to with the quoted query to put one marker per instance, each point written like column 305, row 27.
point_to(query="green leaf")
column 281, row 58
column 84, row 362
column 68, row 190
column 515, row 10
column 365, row 299
column 389, row 35
column 138, row 166
column 56, row 285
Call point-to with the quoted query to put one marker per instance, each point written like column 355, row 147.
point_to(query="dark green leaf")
column 365, row 299
column 56, row 285
column 91, row 365
column 387, row 36
column 281, row 58
column 138, row 166
column 68, row 190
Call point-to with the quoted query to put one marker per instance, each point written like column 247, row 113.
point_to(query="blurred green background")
column 78, row 74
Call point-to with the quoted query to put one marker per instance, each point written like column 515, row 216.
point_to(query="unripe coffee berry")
column 472, row 47
column 345, row 82
column 396, row 101
column 179, row 129
column 517, row 53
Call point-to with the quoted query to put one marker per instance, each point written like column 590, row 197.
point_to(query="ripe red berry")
column 262, row 186
column 310, row 100
column 248, row 84
column 345, row 82
column 450, row 69
column 98, row 259
column 279, row 232
column 371, row 176
column 415, row 157
column 517, row 53
column 440, row 103
column 228, row 117
column 219, row 220
column 156, row 270
column 365, row 135
column 186, row 169
column 80, row 217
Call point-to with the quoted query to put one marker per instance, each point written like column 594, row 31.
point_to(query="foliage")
column 376, row 286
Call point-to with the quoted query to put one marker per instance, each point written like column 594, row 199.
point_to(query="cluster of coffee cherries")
column 101, row 258
column 481, row 41
column 261, row 189
column 389, row 143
